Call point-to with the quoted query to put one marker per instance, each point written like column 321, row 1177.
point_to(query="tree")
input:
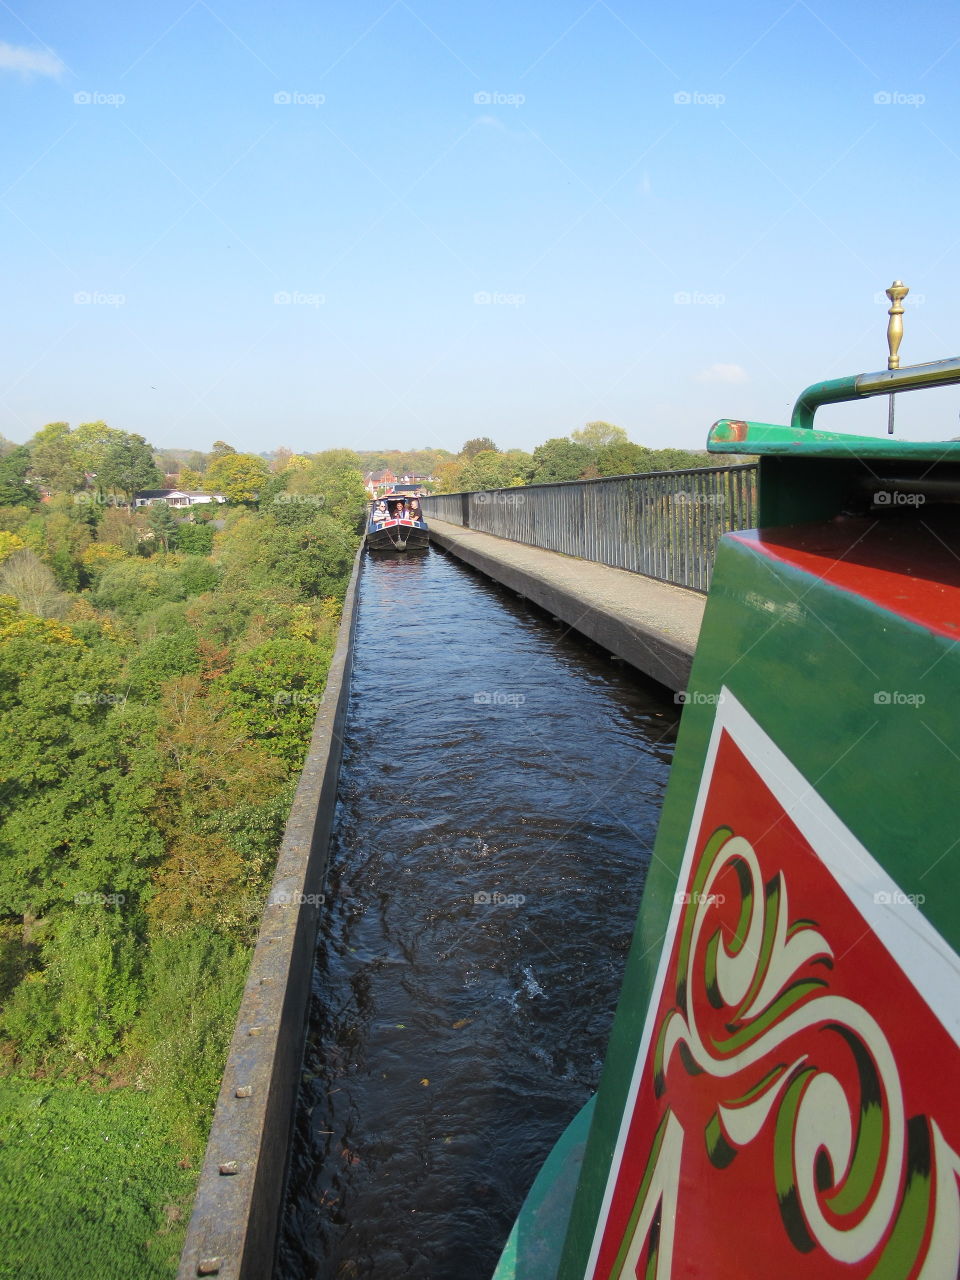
column 238, row 476
column 24, row 576
column 221, row 450
column 54, row 458
column 559, row 459
column 189, row 479
column 126, row 465
column 623, row 459
column 596, row 435
column 163, row 523
column 480, row 444
column 14, row 490
column 489, row 470
column 194, row 539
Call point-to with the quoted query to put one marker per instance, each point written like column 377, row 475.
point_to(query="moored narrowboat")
column 395, row 523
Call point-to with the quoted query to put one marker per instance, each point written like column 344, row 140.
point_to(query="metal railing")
column 665, row 524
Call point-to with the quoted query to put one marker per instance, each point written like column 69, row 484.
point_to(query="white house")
column 176, row 497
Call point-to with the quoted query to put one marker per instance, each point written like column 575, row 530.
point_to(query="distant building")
column 378, row 483
column 176, row 497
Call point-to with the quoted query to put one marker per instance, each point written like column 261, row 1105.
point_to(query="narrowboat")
column 396, row 523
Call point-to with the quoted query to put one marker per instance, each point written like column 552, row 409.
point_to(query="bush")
column 199, row 575
column 193, row 985
column 135, row 587
column 274, row 691
column 163, row 658
column 194, row 539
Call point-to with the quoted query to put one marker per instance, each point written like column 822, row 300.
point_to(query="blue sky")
column 393, row 224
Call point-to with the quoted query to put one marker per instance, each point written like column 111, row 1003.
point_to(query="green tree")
column 238, row 476
column 162, row 523
column 479, row 444
column 490, row 470
column 274, row 691
column 597, row 435
column 14, row 489
column 194, row 539
column 559, row 459
column 54, row 458
column 126, row 465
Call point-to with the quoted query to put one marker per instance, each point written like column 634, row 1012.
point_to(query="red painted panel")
column 806, row 1103
column 910, row 566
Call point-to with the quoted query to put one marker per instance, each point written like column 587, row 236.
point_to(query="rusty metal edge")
column 235, row 1220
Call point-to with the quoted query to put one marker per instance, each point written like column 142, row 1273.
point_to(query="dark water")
column 455, row 1033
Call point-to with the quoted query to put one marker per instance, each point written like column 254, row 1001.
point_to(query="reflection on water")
column 500, row 791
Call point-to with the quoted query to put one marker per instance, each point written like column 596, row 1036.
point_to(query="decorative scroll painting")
column 795, row 1107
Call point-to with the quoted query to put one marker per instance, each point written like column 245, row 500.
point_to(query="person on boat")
column 380, row 512
column 401, row 511
column 414, row 512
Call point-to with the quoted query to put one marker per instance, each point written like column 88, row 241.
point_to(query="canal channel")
column 499, row 795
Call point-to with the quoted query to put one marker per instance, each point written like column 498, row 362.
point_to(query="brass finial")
column 896, row 293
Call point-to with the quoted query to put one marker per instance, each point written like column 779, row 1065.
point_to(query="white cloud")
column 39, row 62
column 724, row 373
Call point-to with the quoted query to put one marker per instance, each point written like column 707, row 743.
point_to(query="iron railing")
column 665, row 524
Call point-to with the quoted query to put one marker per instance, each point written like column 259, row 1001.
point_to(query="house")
column 378, row 483
column 176, row 497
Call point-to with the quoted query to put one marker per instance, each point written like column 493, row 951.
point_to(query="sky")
column 386, row 224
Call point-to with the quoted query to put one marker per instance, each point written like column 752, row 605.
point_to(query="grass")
column 90, row 1185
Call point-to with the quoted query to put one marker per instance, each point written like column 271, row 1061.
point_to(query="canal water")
column 499, row 795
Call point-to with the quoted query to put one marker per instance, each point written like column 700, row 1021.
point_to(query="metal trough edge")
column 233, row 1228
